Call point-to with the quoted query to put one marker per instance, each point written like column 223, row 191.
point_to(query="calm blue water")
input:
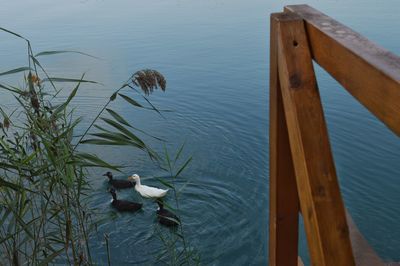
column 214, row 54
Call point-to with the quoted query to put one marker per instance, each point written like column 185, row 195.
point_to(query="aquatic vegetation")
column 44, row 215
column 177, row 249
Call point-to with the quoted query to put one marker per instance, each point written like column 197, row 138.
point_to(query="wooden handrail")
column 370, row 73
column 302, row 170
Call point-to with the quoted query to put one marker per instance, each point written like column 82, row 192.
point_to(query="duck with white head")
column 147, row 191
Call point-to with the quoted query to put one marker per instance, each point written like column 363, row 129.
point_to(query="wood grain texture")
column 370, row 73
column 284, row 205
column 320, row 199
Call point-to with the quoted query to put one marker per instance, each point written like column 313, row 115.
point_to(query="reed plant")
column 177, row 249
column 44, row 215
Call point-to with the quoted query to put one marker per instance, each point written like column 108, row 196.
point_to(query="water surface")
column 214, row 54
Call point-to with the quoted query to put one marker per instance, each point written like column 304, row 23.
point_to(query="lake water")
column 214, row 54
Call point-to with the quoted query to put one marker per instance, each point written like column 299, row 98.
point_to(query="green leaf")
column 48, row 259
column 12, row 89
column 165, row 183
column 11, row 235
column 153, row 107
column 10, row 185
column 13, row 33
column 55, row 79
column 25, row 226
column 169, row 207
column 94, row 165
column 167, row 157
column 178, row 154
column 70, row 97
column 141, row 131
column 70, row 128
column 36, row 62
column 96, row 161
column 15, row 70
column 102, row 128
column 118, row 117
column 102, row 142
column 119, row 139
column 183, row 187
column 130, row 100
column 135, row 103
column 153, row 155
column 123, row 130
column 29, row 158
column 44, row 53
column 111, row 136
column 175, row 221
column 6, row 213
column 183, row 167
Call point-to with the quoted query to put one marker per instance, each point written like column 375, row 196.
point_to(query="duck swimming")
column 123, row 205
column 118, row 183
column 165, row 217
column 146, row 191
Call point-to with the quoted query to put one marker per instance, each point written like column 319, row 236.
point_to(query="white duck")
column 146, row 191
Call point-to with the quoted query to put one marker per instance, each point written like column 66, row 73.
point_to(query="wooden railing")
column 302, row 172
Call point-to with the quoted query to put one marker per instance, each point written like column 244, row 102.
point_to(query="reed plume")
column 148, row 80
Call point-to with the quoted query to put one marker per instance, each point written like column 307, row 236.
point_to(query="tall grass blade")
column 13, row 33
column 56, row 79
column 118, row 117
column 4, row 183
column 37, row 63
column 45, row 53
column 123, row 130
column 15, row 70
column 130, row 100
column 70, row 97
column 183, row 167
column 106, row 237
column 153, row 107
column 14, row 90
column 165, row 183
column 102, row 142
column 96, row 161
column 178, row 154
column 50, row 258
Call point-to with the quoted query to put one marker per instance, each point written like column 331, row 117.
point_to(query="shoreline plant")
column 44, row 214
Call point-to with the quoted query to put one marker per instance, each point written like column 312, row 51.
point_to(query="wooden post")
column 317, row 185
column 284, row 205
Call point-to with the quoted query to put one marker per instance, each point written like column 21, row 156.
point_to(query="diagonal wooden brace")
column 317, row 185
